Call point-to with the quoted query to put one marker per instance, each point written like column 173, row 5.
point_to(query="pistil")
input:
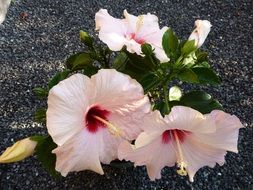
column 114, row 130
column 180, row 163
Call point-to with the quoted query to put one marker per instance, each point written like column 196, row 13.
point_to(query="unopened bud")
column 86, row 38
column 201, row 31
column 19, row 151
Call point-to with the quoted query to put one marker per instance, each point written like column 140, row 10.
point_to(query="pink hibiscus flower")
column 131, row 31
column 185, row 137
column 88, row 118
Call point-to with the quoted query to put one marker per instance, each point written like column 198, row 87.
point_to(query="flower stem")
column 166, row 95
column 152, row 61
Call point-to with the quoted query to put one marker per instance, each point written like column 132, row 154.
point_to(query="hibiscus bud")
column 86, row 38
column 19, row 151
column 146, row 49
column 201, row 31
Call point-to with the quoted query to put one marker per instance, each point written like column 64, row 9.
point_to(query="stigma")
column 181, row 168
column 181, row 164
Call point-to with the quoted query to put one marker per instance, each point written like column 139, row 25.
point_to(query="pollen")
column 114, row 130
column 181, row 168
column 139, row 23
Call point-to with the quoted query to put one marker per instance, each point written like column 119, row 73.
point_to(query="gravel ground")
column 32, row 49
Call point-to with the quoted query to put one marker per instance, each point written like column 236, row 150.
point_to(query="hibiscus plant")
column 119, row 102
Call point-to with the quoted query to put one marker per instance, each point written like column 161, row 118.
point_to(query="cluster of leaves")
column 187, row 63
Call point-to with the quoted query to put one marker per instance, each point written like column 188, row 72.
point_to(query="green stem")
column 166, row 95
column 152, row 61
column 178, row 61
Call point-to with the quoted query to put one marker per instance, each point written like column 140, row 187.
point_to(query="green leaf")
column 187, row 75
column 136, row 66
column 149, row 82
column 141, row 63
column 58, row 77
column 189, row 60
column 146, row 49
column 40, row 92
column 43, row 150
column 161, row 106
column 200, row 101
column 201, row 56
column 175, row 93
column 86, row 38
column 202, row 64
column 170, row 44
column 79, row 61
column 120, row 61
column 150, row 59
column 90, row 70
column 38, row 138
column 40, row 115
column 188, row 47
column 206, row 75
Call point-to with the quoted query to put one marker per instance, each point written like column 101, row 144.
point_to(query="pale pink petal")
column 153, row 122
column 108, row 147
column 160, row 54
column 129, row 118
column 4, row 5
column 155, row 39
column 111, row 30
column 133, row 47
column 79, row 153
column 130, row 21
column 148, row 25
column 114, row 40
column 155, row 155
column 141, row 25
column 186, row 118
column 201, row 31
column 147, row 138
column 226, row 134
column 196, row 155
column 86, row 150
column 123, row 97
column 67, row 104
column 115, row 89
column 107, row 23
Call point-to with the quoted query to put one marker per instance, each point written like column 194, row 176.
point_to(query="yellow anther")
column 139, row 22
column 112, row 128
column 181, row 170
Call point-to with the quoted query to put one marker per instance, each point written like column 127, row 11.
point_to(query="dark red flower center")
column 91, row 122
column 169, row 135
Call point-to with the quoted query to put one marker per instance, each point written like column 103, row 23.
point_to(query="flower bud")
column 19, row 151
column 86, row 38
column 201, row 31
